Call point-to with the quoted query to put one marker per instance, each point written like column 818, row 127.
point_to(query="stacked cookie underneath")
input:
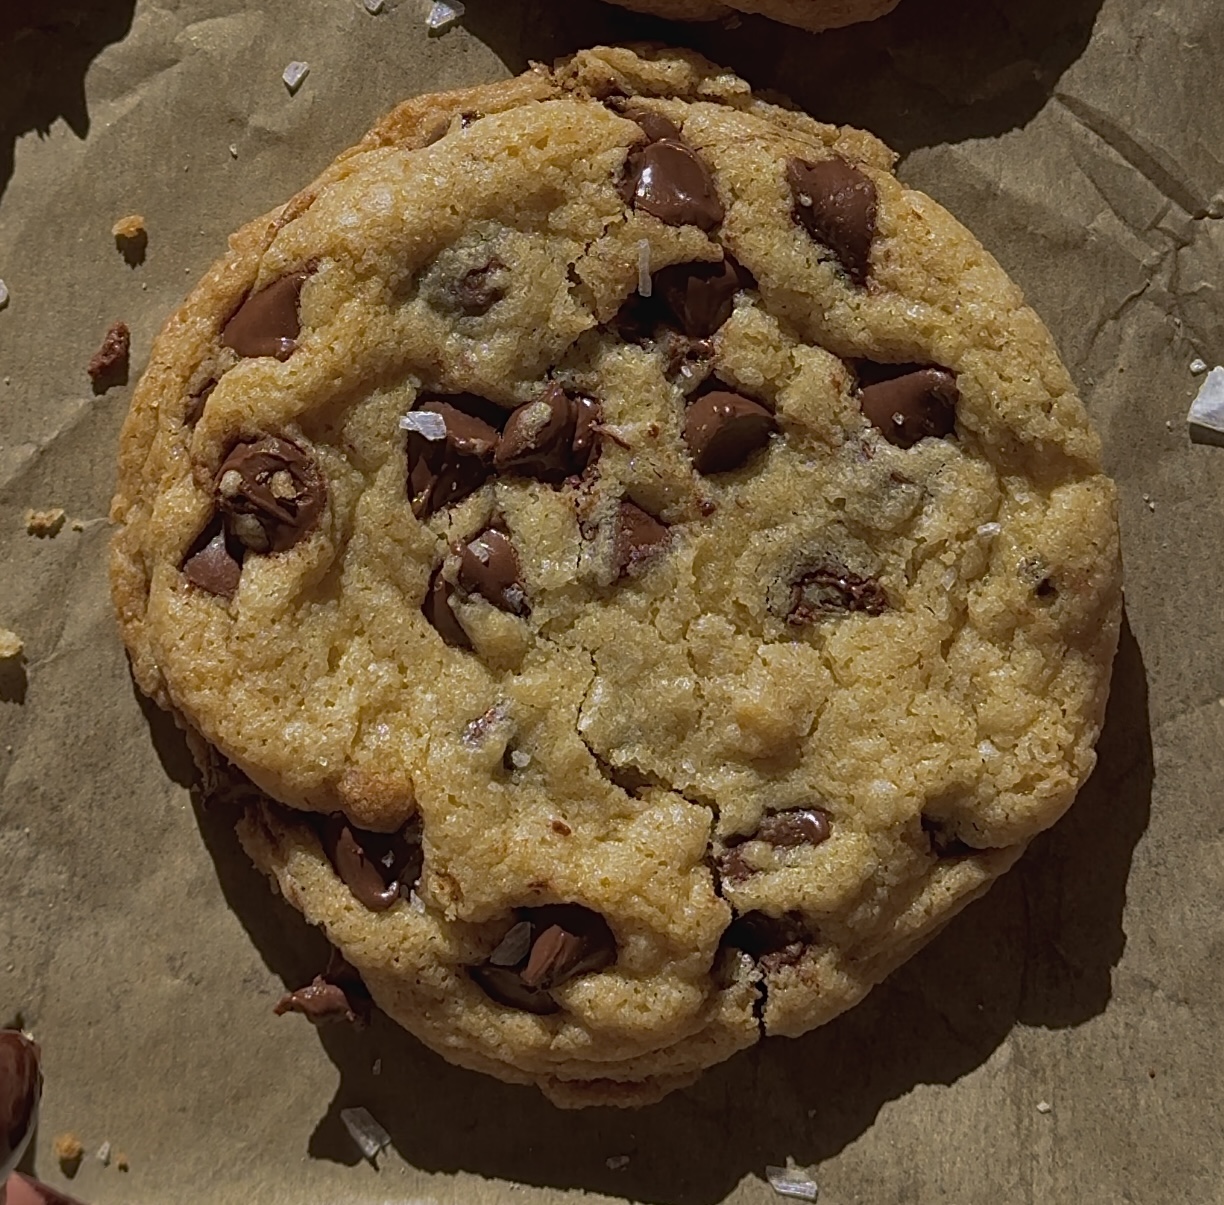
column 652, row 565
column 807, row 14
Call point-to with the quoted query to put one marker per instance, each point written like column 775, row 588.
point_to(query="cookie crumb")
column 11, row 645
column 132, row 226
column 131, row 238
column 369, row 1136
column 294, row 75
column 443, row 15
column 45, row 523
column 68, row 1150
column 109, row 365
column 1044, row 1106
column 791, row 1182
column 121, row 1161
column 617, row 1163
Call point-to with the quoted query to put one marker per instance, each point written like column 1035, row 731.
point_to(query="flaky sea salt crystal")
column 616, row 1163
column 1206, row 417
column 416, row 904
column 1198, row 366
column 4, row 295
column 443, row 15
column 369, row 1136
column 424, row 423
column 989, row 530
column 104, row 1154
column 294, row 74
column 789, row 1182
column 645, row 284
column 1044, row 1106
column 373, row 7
column 520, row 758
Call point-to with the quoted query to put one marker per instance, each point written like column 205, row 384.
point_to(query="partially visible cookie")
column 653, row 563
column 814, row 15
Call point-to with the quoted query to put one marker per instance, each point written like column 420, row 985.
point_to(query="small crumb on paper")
column 109, row 365
column 132, row 226
column 1149, row 503
column 233, row 150
column 790, row 1182
column 104, row 1154
column 369, row 1136
column 1206, row 417
column 68, row 1151
column 617, row 1163
column 45, row 523
column 442, row 15
column 294, row 74
column 11, row 645
column 373, row 7
column 131, row 238
column 121, row 1161
column 1044, row 1106
column 4, row 295
column 1198, row 366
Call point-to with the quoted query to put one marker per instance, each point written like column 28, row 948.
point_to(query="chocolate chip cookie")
column 651, row 565
column 807, row 14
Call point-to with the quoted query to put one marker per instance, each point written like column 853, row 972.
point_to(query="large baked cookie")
column 655, row 560
column 807, row 14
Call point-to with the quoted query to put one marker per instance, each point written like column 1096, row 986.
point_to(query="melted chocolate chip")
column 337, row 995
column 376, row 867
column 915, row 403
column 478, row 290
column 196, row 402
column 723, row 429
column 489, row 567
column 20, row 1091
column 639, row 536
column 832, row 589
column 700, row 295
column 551, row 438
column 271, row 493
column 547, row 947
column 267, row 322
column 447, row 461
column 773, row 941
column 437, row 610
column 654, row 125
column 214, row 563
column 796, row 826
column 670, row 181
column 836, row 205
column 109, row 365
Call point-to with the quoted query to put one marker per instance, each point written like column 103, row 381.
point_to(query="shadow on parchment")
column 46, row 47
column 1037, row 951
column 932, row 71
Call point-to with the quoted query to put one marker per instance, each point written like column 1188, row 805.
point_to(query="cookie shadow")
column 932, row 71
column 1037, row 951
column 45, row 50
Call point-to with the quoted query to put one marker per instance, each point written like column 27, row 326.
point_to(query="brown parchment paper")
column 1082, row 141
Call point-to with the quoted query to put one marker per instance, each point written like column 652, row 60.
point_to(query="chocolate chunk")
column 109, row 365
column 489, row 567
column 550, row 439
column 670, row 181
column 723, row 429
column 654, row 125
column 214, row 564
column 831, row 589
column 437, row 610
column 773, row 941
column 796, row 826
column 271, row 493
column 376, row 867
column 700, row 295
column 915, row 405
column 267, row 322
column 20, row 1092
column 639, row 536
column 506, row 987
column 447, row 461
column 836, row 205
column 547, row 947
column 477, row 291
column 337, row 995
